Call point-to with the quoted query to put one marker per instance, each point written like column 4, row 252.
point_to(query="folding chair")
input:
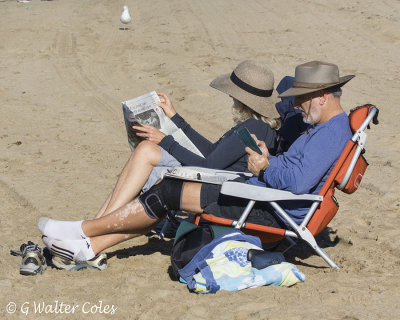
column 345, row 176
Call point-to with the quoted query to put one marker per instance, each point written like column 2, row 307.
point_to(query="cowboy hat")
column 314, row 76
column 252, row 84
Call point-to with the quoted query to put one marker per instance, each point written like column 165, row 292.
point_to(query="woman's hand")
column 256, row 161
column 166, row 105
column 149, row 133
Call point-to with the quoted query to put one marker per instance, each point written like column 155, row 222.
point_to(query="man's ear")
column 323, row 98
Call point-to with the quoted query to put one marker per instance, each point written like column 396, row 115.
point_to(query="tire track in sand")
column 81, row 78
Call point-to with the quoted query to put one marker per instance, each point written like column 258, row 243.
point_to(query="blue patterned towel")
column 223, row 265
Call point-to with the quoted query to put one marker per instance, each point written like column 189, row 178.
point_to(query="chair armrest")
column 258, row 193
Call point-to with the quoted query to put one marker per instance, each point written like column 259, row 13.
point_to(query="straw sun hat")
column 314, row 76
column 251, row 83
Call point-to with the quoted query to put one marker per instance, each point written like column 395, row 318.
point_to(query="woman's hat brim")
column 265, row 106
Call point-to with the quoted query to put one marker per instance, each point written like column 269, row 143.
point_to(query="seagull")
column 125, row 16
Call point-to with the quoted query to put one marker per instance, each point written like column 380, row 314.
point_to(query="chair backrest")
column 351, row 166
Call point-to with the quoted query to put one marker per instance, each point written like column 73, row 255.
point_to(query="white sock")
column 58, row 229
column 77, row 250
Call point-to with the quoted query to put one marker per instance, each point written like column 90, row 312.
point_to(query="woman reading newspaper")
column 251, row 86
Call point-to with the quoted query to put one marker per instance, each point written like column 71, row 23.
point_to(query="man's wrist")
column 261, row 173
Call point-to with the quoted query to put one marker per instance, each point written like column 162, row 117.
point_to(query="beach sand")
column 65, row 67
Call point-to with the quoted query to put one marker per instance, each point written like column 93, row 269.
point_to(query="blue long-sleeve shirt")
column 305, row 167
column 227, row 153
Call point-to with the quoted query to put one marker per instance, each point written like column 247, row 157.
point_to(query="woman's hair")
column 241, row 113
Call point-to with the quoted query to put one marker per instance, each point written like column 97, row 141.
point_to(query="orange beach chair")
column 345, row 176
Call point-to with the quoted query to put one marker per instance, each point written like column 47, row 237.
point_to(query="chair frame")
column 299, row 231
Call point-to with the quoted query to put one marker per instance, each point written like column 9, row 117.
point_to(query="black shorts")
column 223, row 206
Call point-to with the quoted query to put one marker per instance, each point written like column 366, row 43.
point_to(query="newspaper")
column 213, row 176
column 143, row 110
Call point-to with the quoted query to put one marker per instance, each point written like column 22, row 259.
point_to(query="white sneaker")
column 99, row 262
column 33, row 261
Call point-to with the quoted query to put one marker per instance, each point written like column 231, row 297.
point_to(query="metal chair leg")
column 292, row 243
column 306, row 235
column 326, row 257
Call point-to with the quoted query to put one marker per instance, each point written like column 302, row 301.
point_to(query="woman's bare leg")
column 104, row 207
column 136, row 171
column 101, row 243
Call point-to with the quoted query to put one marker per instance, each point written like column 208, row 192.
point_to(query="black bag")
column 189, row 239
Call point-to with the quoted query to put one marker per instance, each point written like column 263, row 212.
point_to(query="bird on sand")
column 125, row 16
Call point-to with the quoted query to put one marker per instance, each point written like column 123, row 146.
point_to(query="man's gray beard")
column 308, row 120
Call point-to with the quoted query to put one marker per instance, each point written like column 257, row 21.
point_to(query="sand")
column 65, row 67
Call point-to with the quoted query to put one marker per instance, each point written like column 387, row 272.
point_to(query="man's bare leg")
column 191, row 197
column 124, row 223
column 130, row 218
column 134, row 175
column 132, row 221
column 135, row 222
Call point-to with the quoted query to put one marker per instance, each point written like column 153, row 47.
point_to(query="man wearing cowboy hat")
column 302, row 169
column 306, row 165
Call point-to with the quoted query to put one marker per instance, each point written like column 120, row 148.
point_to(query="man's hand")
column 149, row 133
column 166, row 105
column 256, row 161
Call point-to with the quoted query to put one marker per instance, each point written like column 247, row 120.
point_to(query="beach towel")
column 223, row 265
